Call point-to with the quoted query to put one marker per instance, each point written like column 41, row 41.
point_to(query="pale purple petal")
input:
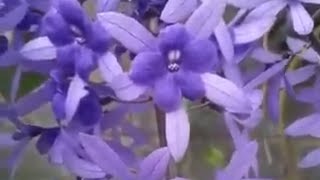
column 81, row 167
column 155, row 165
column 311, row 1
column 273, row 97
column 179, row 178
column 300, row 75
column 266, row 75
column 178, row 10
column 243, row 4
column 302, row 21
column 265, row 56
column 107, row 5
column 177, row 133
column 6, row 141
column 241, row 161
column 109, row 66
column 268, row 9
column 42, row 5
column 12, row 18
column 129, row 32
column 125, row 89
column 75, row 93
column 105, row 157
column 250, row 31
column 224, row 40
column 39, row 49
column 308, row 125
column 232, row 72
column 253, row 120
column 35, row 99
column 225, row 93
column 204, row 19
column 311, row 159
column 297, row 45
column 238, row 138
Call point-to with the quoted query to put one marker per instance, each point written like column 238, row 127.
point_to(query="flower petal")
column 224, row 40
column 267, row 9
column 177, row 132
column 204, row 19
column 81, row 167
column 109, row 67
column 105, row 157
column 191, row 84
column 75, row 93
column 300, row 75
column 155, row 165
column 107, row 5
column 273, row 97
column 178, row 10
column 129, row 32
column 311, row 159
column 302, row 22
column 225, row 93
column 10, row 19
column 167, row 94
column 297, row 45
column 250, row 31
column 125, row 88
column 200, row 56
column 264, row 56
column 39, row 49
column 147, row 67
column 266, row 75
column 308, row 125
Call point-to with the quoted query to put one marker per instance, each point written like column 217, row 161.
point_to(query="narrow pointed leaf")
column 39, row 49
column 204, row 19
column 177, row 133
column 178, row 10
column 129, row 32
column 155, row 165
column 105, row 157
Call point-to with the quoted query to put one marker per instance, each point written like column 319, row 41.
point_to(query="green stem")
column 286, row 144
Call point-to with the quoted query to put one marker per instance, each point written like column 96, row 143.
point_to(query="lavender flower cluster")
column 161, row 53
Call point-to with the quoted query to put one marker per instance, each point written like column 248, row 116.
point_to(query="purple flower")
column 173, row 69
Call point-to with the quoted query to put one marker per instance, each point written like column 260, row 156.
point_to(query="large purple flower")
column 173, row 69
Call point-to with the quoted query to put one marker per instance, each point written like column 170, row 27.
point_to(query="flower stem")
column 161, row 125
column 286, row 144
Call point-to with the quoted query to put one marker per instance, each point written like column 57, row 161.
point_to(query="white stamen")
column 174, row 55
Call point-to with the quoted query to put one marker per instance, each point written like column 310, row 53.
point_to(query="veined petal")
column 224, row 40
column 308, row 125
column 105, row 157
column 125, row 88
column 177, row 132
column 39, row 49
column 167, row 94
column 178, row 10
column 155, row 165
column 81, row 167
column 264, row 56
column 268, row 8
column 297, row 45
column 266, row 75
column 225, row 93
column 302, row 22
column 129, row 32
column 204, row 19
column 147, row 67
column 311, row 159
column 75, row 93
column 109, row 67
column 252, row 30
